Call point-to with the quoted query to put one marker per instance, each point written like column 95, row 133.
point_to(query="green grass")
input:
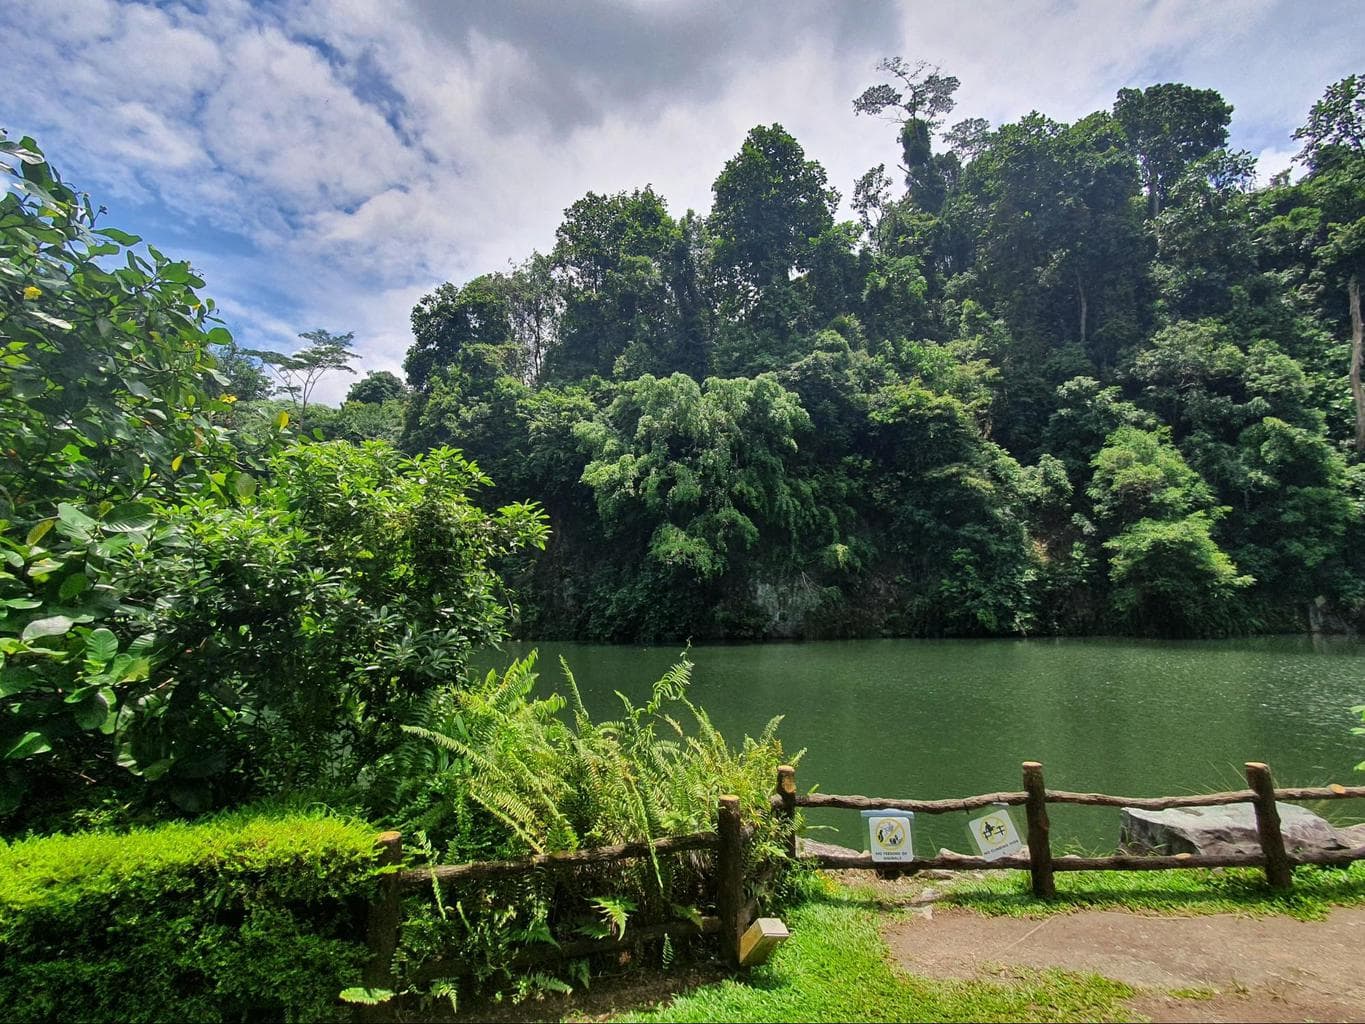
column 835, row 968
column 1235, row 891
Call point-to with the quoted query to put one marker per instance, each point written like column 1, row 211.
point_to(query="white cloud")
column 365, row 152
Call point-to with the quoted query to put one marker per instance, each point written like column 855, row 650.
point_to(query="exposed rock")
column 1352, row 835
column 1221, row 830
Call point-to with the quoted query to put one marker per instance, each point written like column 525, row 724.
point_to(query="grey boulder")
column 1228, row 829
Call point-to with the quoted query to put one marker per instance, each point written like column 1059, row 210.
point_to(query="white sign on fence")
column 995, row 835
column 889, row 836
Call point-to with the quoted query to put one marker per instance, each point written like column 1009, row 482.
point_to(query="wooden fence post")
column 786, row 792
column 1039, row 848
column 730, row 877
column 1278, row 871
column 382, row 930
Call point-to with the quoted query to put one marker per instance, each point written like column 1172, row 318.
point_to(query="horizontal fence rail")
column 1273, row 858
column 1061, row 796
column 448, row 874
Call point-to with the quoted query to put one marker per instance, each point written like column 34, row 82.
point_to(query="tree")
column 693, row 481
column 376, row 387
column 1168, row 127
column 1156, row 516
column 968, row 138
column 1205, row 249
column 922, row 93
column 627, row 279
column 770, row 203
column 1335, row 124
column 918, row 101
column 245, row 377
column 300, row 372
column 1333, row 223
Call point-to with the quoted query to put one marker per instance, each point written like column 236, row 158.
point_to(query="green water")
column 929, row 719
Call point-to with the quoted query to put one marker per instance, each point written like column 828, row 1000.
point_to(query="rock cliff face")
column 1229, row 829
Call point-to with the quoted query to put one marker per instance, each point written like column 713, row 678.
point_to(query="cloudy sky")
column 326, row 163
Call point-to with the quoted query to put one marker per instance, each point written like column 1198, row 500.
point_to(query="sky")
column 325, row 164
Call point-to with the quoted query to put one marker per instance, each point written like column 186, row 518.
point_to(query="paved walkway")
column 1219, row 967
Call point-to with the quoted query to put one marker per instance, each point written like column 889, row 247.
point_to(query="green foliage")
column 1030, row 292
column 170, row 575
column 1167, row 572
column 1168, row 127
column 770, row 202
column 256, row 915
column 300, row 372
column 376, row 387
column 492, row 771
column 107, row 412
column 363, row 572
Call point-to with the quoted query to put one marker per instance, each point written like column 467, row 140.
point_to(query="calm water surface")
column 929, row 719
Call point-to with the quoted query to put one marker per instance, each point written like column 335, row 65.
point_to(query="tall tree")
column 300, row 372
column 1168, row 127
column 614, row 260
column 1333, row 222
column 770, row 203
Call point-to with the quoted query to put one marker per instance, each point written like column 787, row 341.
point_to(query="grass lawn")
column 835, row 968
column 1234, row 891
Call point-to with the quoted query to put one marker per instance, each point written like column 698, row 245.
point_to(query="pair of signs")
column 890, row 835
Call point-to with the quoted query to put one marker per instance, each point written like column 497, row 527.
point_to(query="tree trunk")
column 1357, row 342
column 1085, row 306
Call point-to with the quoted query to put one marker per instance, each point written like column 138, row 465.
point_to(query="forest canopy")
column 1054, row 378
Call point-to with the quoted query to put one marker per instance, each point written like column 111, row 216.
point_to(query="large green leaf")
column 101, row 645
column 132, row 517
column 29, row 744
column 53, row 625
column 74, row 523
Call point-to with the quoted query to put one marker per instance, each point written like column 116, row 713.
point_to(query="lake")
column 929, row 719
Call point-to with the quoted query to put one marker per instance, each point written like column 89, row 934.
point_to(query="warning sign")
column 995, row 835
column 889, row 836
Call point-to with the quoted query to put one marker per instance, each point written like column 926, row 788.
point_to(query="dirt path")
column 1211, row 968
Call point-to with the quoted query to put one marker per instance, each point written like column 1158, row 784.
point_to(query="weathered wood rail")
column 1040, row 862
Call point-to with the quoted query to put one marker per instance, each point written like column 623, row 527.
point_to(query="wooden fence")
column 730, row 921
column 1261, row 793
column 734, row 915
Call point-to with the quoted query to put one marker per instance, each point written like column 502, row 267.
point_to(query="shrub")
column 494, row 772
column 248, row 916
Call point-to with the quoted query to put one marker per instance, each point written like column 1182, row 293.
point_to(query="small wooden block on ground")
column 762, row 937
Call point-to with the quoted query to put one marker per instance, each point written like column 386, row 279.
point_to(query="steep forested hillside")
column 1055, row 378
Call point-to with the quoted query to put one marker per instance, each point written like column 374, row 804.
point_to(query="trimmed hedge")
column 252, row 916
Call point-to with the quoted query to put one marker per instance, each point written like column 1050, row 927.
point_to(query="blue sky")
column 325, row 164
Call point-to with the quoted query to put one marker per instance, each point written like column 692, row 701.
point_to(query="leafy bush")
column 188, row 609
column 250, row 916
column 105, row 408
column 294, row 630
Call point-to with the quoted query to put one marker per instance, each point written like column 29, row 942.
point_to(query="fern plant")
column 491, row 770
